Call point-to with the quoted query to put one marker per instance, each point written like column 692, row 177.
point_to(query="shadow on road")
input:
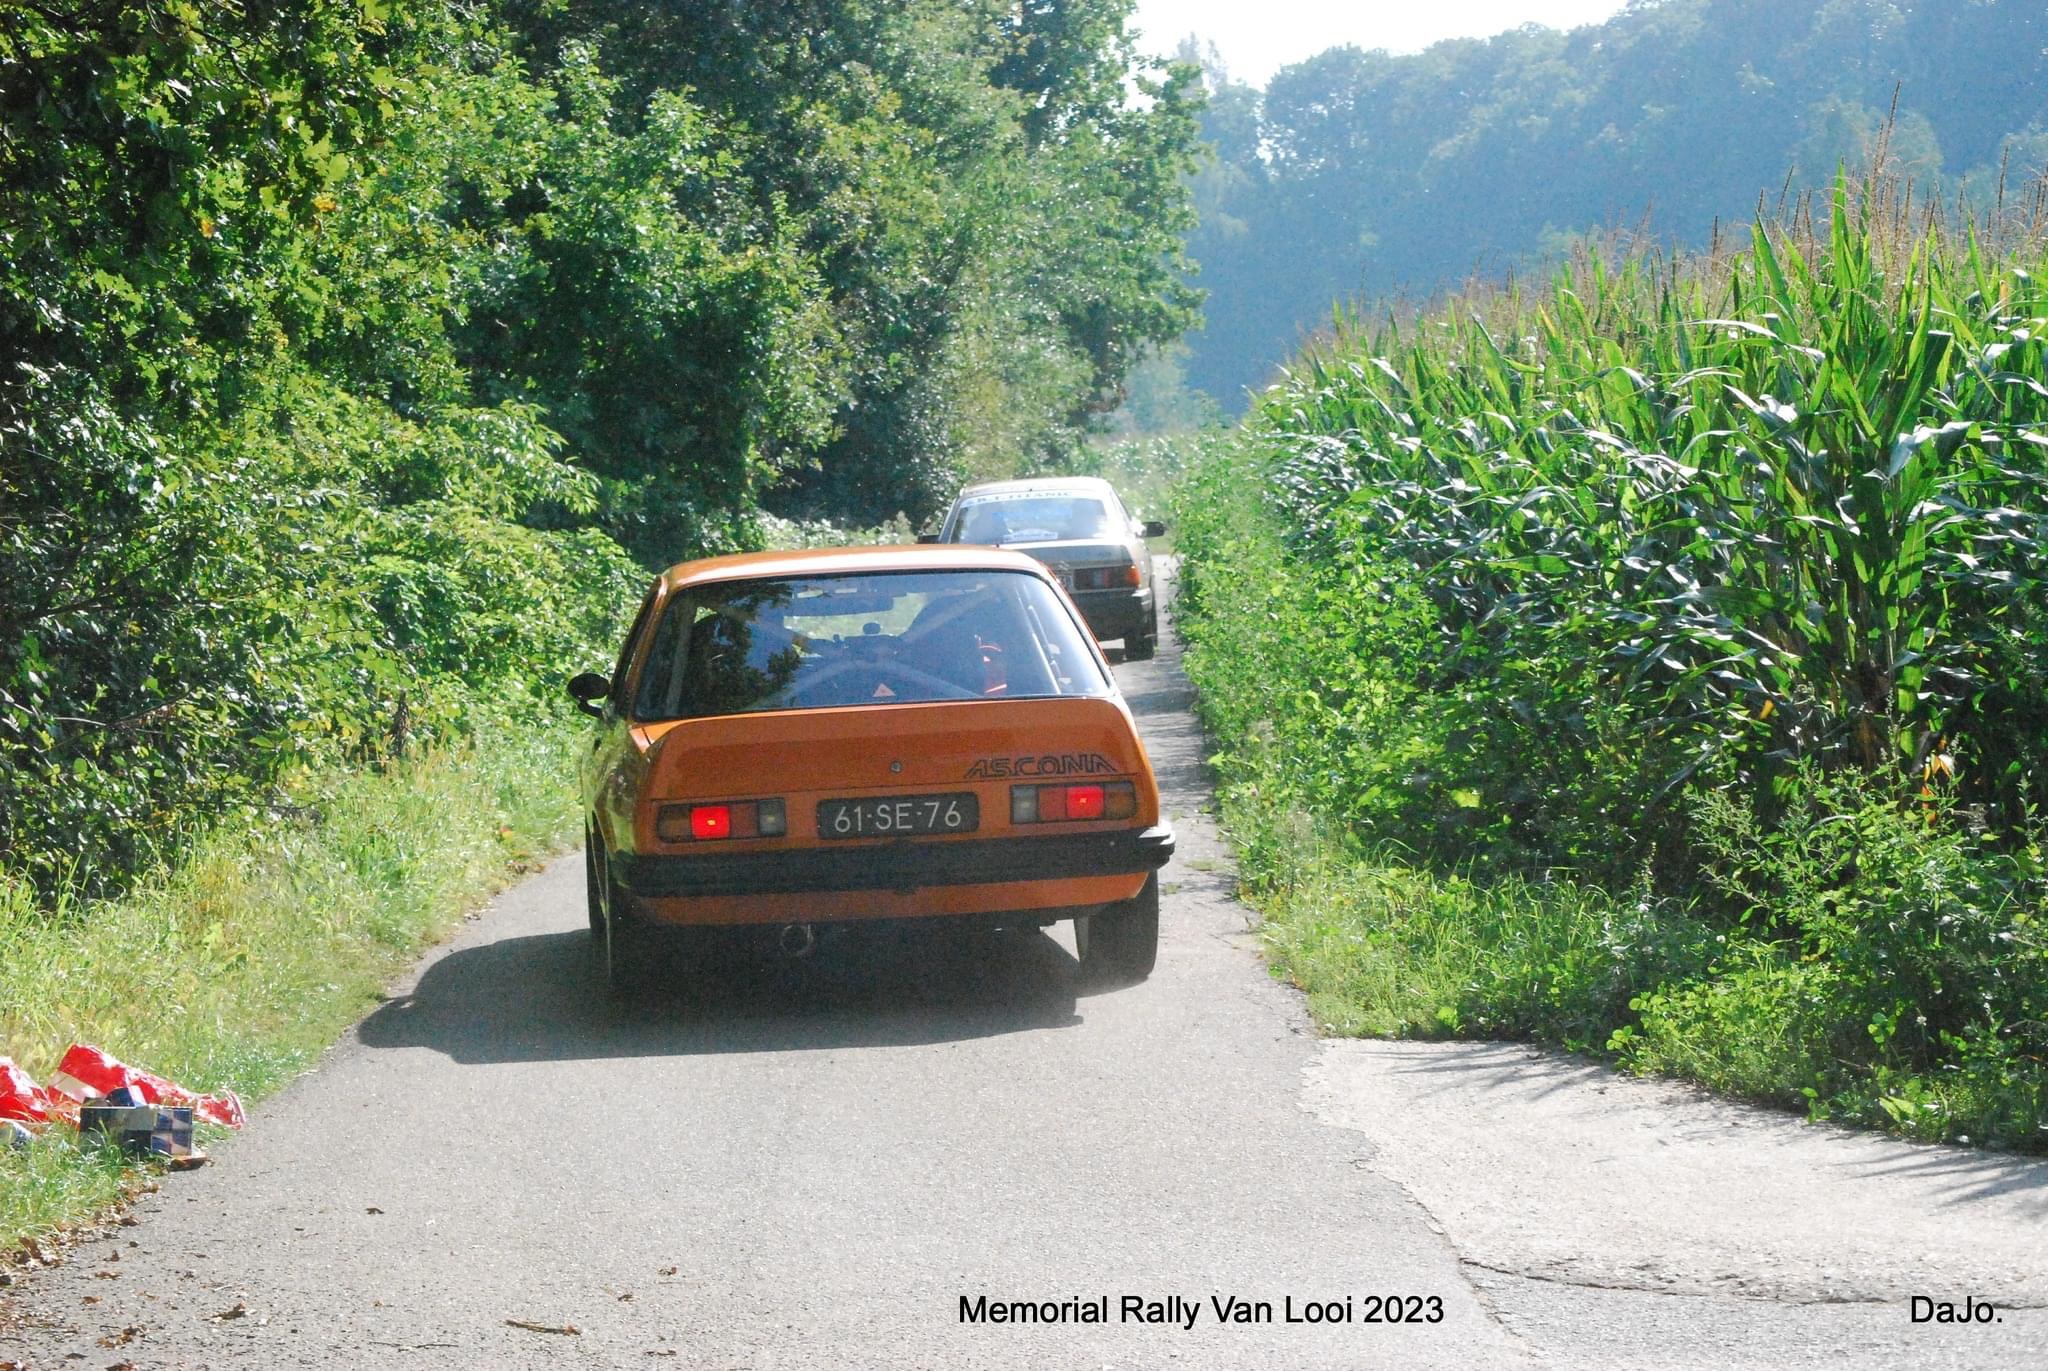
column 539, row 999
column 1522, row 1074
column 1164, row 699
column 1967, row 1177
column 1516, row 1067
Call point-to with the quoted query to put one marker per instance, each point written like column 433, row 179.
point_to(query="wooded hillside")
column 1363, row 175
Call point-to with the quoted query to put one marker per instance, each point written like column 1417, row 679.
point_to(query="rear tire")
column 1119, row 945
column 621, row 947
column 593, row 897
column 1139, row 647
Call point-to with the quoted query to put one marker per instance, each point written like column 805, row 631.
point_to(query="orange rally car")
column 799, row 738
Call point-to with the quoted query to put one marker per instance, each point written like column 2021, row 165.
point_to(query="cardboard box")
column 163, row 1130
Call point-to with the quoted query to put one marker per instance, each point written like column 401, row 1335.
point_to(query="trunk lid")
column 1064, row 557
column 847, row 750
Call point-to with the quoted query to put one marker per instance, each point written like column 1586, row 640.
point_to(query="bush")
column 1927, row 929
column 332, row 585
column 1759, row 1025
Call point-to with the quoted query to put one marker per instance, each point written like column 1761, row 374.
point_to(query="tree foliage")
column 353, row 352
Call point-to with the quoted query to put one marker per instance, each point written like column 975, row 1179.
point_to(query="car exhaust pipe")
column 797, row 940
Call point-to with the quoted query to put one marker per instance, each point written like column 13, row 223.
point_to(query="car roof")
column 828, row 561
column 1040, row 485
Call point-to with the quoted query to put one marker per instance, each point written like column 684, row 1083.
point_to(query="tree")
column 1375, row 176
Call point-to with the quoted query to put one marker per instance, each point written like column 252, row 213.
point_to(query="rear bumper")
column 902, row 867
column 1115, row 613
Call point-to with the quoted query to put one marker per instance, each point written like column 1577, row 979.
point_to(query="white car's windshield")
column 1002, row 519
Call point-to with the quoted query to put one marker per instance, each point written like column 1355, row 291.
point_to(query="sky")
column 1258, row 37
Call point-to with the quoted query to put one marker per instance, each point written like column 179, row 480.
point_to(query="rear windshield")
column 880, row 638
column 1000, row 519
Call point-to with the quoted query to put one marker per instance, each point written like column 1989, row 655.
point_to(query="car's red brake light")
column 731, row 819
column 1050, row 804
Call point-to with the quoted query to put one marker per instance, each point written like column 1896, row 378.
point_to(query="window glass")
column 999, row 519
column 626, row 652
column 876, row 638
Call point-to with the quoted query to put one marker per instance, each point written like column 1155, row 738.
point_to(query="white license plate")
column 899, row 816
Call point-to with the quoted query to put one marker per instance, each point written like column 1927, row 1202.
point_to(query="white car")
column 1078, row 527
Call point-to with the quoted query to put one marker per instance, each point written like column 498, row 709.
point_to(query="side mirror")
column 1154, row 528
column 588, row 690
column 927, row 537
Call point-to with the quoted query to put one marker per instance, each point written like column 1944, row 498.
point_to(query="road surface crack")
column 1639, row 1288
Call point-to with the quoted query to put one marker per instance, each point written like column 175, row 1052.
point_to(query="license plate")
column 898, row 816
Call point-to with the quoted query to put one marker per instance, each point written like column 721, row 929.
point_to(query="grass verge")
column 241, row 965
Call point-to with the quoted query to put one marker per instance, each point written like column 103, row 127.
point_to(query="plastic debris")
column 22, row 1100
column 86, row 1073
column 91, row 1091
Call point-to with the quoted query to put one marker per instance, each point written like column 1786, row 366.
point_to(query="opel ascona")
column 799, row 739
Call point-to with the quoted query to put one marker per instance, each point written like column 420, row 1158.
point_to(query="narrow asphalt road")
column 826, row 1166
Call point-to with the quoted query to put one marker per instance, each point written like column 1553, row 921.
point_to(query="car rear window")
column 863, row 639
column 1000, row 519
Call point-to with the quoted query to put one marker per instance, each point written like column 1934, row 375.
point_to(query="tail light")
column 1051, row 804
column 726, row 819
column 1106, row 577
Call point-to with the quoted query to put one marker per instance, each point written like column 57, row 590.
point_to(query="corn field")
column 1789, row 500
column 1652, row 661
